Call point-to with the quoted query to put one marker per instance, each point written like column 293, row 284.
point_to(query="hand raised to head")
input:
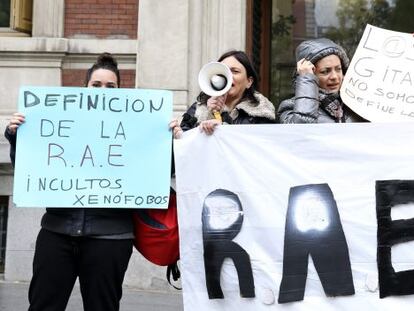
column 304, row 66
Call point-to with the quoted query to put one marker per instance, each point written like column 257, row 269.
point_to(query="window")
column 293, row 21
column 4, row 13
column 16, row 16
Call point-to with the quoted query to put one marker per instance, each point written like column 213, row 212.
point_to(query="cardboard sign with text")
column 379, row 83
column 93, row 147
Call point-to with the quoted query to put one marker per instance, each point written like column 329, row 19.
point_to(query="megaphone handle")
column 217, row 115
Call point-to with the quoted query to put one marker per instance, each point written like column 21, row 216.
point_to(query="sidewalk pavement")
column 13, row 297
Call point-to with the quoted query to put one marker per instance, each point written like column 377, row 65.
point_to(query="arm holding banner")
column 201, row 114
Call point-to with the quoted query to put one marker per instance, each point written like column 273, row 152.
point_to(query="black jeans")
column 59, row 259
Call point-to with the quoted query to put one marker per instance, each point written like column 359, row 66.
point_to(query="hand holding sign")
column 16, row 120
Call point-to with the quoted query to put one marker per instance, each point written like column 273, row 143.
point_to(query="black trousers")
column 59, row 259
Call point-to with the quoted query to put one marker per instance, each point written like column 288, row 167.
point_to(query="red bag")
column 156, row 233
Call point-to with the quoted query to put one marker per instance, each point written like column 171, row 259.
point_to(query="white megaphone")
column 215, row 79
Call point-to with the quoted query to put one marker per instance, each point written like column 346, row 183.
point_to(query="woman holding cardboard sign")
column 321, row 65
column 93, row 244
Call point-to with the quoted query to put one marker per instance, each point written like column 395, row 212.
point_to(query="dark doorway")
column 4, row 202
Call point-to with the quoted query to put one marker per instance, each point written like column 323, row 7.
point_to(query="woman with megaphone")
column 229, row 96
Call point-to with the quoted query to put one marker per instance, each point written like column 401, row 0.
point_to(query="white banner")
column 379, row 83
column 261, row 165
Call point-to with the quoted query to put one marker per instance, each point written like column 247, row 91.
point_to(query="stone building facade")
column 158, row 43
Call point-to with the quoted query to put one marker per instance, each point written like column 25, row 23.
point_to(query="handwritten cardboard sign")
column 379, row 84
column 90, row 147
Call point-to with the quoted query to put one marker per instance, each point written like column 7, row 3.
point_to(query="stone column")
column 224, row 27
column 216, row 27
column 48, row 18
column 162, row 60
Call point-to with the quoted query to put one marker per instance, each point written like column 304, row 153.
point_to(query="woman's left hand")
column 209, row 126
column 304, row 66
column 175, row 128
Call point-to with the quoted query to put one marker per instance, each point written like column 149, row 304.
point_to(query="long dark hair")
column 104, row 61
column 247, row 64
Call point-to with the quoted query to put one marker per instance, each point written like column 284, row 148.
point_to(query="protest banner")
column 93, row 147
column 254, row 202
column 379, row 83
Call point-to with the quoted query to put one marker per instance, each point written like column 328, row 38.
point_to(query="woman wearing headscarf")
column 321, row 66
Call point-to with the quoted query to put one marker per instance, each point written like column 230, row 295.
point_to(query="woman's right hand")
column 175, row 128
column 16, row 120
column 304, row 66
column 216, row 103
column 209, row 126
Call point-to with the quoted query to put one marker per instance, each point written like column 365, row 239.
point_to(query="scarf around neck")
column 332, row 104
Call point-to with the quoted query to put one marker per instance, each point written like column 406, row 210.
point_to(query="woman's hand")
column 16, row 120
column 209, row 126
column 304, row 66
column 216, row 103
column 176, row 129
